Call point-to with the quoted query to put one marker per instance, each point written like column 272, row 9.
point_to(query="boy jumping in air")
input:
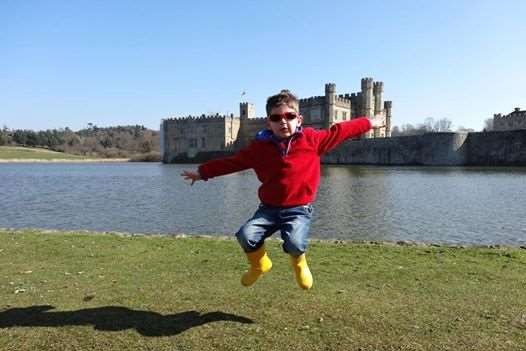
column 286, row 159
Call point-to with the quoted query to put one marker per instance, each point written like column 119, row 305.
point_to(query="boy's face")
column 283, row 121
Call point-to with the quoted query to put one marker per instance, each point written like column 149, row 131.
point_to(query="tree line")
column 431, row 125
column 93, row 141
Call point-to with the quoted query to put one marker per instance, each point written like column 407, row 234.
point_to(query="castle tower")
column 330, row 100
column 247, row 110
column 368, row 102
column 378, row 92
column 367, row 93
column 388, row 105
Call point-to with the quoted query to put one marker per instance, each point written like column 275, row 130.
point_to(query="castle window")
column 203, row 142
column 344, row 115
column 336, row 114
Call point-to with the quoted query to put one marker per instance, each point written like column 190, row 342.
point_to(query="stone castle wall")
column 313, row 111
column 427, row 149
column 506, row 148
column 248, row 130
column 198, row 134
column 497, row 148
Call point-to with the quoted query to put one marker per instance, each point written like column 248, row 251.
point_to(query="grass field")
column 88, row 291
column 24, row 153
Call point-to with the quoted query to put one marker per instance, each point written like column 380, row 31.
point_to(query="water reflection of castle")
column 186, row 137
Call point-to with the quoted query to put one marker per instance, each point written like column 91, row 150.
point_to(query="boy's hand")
column 193, row 176
column 377, row 121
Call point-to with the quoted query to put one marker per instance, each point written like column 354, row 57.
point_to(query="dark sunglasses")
column 279, row 116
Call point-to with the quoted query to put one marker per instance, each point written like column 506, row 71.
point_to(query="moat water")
column 454, row 205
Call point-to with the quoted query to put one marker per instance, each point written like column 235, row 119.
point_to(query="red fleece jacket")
column 291, row 179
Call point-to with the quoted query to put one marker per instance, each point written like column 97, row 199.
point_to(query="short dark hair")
column 285, row 97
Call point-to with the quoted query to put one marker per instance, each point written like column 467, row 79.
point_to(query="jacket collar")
column 283, row 145
column 267, row 135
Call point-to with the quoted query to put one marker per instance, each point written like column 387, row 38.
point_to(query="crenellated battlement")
column 516, row 114
column 202, row 118
column 378, row 87
column 341, row 99
column 312, row 100
column 256, row 120
column 511, row 121
column 367, row 83
column 330, row 88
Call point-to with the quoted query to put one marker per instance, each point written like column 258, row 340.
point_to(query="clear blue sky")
column 70, row 63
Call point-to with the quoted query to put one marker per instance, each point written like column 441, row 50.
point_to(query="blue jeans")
column 292, row 222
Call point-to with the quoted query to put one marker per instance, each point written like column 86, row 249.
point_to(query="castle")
column 512, row 121
column 184, row 138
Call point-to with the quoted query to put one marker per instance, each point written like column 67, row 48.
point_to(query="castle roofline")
column 203, row 117
column 517, row 112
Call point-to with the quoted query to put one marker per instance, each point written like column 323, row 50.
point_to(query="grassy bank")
column 29, row 153
column 78, row 291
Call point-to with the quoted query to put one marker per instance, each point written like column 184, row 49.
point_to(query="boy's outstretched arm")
column 332, row 137
column 328, row 139
column 190, row 175
column 221, row 166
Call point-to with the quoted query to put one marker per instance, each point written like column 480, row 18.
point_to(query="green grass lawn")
column 24, row 153
column 86, row 291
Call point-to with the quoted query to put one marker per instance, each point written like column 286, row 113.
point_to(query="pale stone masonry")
column 514, row 120
column 324, row 111
column 186, row 137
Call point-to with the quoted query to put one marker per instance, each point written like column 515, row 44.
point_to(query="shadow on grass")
column 114, row 318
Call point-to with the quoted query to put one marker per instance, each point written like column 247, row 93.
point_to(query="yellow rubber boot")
column 259, row 263
column 301, row 271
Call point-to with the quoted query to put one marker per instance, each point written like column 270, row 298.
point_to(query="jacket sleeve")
column 328, row 139
column 240, row 161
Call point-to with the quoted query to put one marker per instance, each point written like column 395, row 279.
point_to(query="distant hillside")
column 135, row 142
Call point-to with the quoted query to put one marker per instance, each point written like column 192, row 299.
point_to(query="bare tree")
column 443, row 125
column 407, row 129
column 429, row 124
